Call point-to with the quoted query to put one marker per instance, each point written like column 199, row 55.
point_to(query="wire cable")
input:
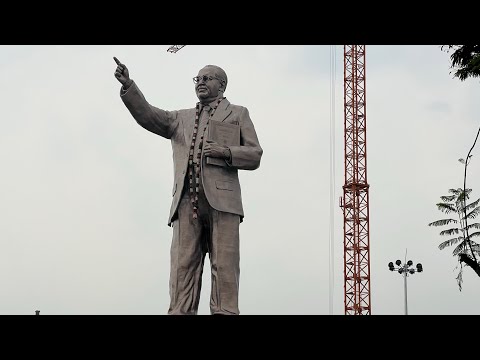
column 333, row 61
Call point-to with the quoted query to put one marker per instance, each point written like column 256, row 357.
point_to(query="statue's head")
column 210, row 83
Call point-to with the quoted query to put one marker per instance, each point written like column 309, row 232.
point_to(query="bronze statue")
column 210, row 142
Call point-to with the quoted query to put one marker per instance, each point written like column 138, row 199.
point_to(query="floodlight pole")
column 404, row 270
column 405, row 287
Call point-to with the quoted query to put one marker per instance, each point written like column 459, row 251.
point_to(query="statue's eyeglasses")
column 205, row 78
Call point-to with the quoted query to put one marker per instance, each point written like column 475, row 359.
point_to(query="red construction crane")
column 354, row 203
column 355, row 206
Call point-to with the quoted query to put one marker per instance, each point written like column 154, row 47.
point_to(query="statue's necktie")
column 203, row 121
column 195, row 155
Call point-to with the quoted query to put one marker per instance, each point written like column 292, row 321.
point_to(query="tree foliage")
column 461, row 235
column 465, row 60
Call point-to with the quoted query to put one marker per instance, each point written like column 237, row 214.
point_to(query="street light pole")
column 405, row 291
column 405, row 269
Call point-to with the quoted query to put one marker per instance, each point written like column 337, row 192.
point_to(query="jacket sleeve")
column 246, row 156
column 153, row 119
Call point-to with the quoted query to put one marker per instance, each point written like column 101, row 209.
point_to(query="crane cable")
column 332, row 173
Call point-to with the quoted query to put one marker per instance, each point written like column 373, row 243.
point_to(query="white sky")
column 85, row 191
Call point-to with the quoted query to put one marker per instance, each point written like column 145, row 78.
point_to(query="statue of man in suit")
column 206, row 209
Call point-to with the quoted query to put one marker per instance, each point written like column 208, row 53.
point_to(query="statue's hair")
column 219, row 72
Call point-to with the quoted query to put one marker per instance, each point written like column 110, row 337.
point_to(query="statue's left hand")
column 213, row 149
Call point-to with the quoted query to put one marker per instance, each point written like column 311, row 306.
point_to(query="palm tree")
column 466, row 249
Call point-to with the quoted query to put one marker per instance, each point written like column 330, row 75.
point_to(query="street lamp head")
column 409, row 262
column 400, row 271
column 419, row 267
column 390, row 266
column 411, row 271
column 398, row 262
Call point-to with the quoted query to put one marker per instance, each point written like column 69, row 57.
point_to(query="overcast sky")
column 85, row 191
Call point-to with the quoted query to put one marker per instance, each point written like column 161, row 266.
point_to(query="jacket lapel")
column 188, row 124
column 223, row 110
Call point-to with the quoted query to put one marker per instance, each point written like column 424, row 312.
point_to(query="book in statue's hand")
column 224, row 134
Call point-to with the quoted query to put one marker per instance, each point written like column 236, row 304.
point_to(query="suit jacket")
column 220, row 183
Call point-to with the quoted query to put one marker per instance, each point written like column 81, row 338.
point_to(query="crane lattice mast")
column 355, row 191
column 175, row 48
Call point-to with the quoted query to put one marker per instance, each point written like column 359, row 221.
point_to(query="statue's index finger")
column 117, row 61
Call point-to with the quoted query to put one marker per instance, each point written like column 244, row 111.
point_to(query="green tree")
column 465, row 60
column 461, row 235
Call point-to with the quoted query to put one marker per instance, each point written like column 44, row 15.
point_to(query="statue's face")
column 208, row 85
